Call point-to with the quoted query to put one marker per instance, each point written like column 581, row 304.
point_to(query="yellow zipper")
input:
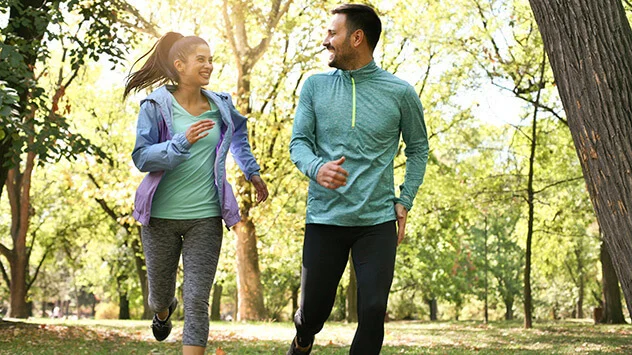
column 353, row 114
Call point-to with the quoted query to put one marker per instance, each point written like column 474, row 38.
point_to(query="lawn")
column 46, row 336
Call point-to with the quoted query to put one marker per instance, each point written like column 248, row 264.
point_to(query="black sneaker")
column 162, row 328
column 295, row 349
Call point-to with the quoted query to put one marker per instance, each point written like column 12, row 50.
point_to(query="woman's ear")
column 179, row 65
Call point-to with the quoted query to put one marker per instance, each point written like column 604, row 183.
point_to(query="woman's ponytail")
column 158, row 68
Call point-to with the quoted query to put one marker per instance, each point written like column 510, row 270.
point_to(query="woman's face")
column 197, row 68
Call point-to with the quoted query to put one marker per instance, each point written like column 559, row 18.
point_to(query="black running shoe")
column 295, row 349
column 162, row 328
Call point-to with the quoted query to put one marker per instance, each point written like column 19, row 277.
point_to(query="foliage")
column 469, row 219
column 81, row 31
column 8, row 101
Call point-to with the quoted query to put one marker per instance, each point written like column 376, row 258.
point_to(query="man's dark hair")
column 362, row 17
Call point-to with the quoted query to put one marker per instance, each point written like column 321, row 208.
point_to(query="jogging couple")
column 345, row 137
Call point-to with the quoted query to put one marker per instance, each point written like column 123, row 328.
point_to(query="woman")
column 184, row 133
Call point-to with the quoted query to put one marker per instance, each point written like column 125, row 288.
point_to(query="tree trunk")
column 612, row 308
column 66, row 307
column 352, row 295
column 432, row 304
column 251, row 305
column 580, row 277
column 486, row 296
column 141, row 271
column 509, row 308
column 123, row 305
column 27, row 25
column 17, row 305
column 216, row 302
column 249, row 287
column 234, row 13
column 528, row 305
column 19, row 192
column 590, row 48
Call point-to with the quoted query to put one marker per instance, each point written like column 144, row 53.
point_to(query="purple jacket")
column 158, row 149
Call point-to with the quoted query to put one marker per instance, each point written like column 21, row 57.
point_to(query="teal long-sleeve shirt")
column 359, row 114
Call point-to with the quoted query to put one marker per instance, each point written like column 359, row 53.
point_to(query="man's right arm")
column 303, row 142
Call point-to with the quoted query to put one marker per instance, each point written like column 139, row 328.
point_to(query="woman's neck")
column 187, row 94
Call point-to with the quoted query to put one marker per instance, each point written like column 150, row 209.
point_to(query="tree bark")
column 509, row 308
column 123, row 306
column 249, row 287
column 216, row 302
column 580, row 279
column 612, row 308
column 432, row 305
column 19, row 192
column 590, row 47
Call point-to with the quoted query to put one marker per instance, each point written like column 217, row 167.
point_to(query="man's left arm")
column 413, row 128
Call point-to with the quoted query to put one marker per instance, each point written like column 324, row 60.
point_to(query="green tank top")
column 189, row 191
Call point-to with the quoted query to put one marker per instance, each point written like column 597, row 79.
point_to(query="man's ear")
column 357, row 37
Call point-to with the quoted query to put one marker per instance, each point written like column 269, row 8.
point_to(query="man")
column 345, row 137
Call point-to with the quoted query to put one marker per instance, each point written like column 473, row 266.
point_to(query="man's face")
column 338, row 43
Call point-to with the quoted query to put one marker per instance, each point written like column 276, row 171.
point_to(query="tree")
column 590, row 51
column 41, row 132
column 612, row 309
column 240, row 17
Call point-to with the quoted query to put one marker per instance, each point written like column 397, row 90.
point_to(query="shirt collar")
column 363, row 73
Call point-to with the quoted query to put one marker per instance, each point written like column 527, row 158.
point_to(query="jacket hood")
column 163, row 95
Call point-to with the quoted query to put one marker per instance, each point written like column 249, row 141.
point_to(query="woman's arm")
column 151, row 151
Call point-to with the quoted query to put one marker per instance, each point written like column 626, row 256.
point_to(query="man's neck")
column 360, row 62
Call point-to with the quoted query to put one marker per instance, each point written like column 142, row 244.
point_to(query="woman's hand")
column 199, row 130
column 262, row 189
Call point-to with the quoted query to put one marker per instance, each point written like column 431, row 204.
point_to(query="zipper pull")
column 353, row 102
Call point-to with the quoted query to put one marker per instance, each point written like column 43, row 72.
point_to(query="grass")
column 46, row 336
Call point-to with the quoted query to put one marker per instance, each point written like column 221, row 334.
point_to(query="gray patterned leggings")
column 200, row 241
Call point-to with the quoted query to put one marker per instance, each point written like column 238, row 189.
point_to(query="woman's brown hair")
column 159, row 65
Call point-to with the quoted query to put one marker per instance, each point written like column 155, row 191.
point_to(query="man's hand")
column 260, row 186
column 402, row 214
column 332, row 175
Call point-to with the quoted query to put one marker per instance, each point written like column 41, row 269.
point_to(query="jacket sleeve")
column 303, row 142
column 239, row 145
column 413, row 128
column 151, row 153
